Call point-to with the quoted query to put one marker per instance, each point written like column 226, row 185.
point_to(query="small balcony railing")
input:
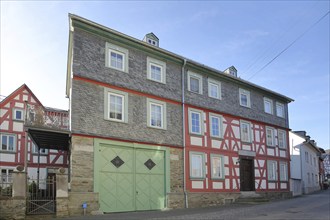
column 43, row 117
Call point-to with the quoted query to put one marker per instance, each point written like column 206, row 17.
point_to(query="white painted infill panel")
column 227, row 186
column 284, row 185
column 271, row 151
column 271, row 186
column 4, row 125
column 226, row 171
column 217, row 185
column 196, row 141
column 19, row 105
column 216, row 144
column 7, row 157
column 60, row 160
column 3, row 112
column 236, row 132
column 18, row 126
column 282, row 153
column 197, row 184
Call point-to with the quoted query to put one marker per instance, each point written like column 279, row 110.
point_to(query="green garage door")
column 131, row 179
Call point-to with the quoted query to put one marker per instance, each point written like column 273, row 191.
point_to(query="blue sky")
column 246, row 34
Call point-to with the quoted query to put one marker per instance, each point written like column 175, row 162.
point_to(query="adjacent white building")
column 304, row 166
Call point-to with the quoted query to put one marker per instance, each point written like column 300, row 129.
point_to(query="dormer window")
column 151, row 39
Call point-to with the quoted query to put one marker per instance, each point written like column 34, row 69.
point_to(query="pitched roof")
column 18, row 91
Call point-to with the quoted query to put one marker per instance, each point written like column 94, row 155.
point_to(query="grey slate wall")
column 229, row 102
column 89, row 62
column 88, row 117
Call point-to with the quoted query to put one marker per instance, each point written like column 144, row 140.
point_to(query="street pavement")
column 314, row 206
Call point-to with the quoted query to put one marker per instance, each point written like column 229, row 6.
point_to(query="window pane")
column 280, row 110
column 215, row 131
column 268, row 107
column 195, row 122
column 196, row 166
column 214, row 90
column 116, row 107
column 116, row 60
column 245, row 132
column 11, row 143
column 216, row 167
column 194, row 84
column 4, row 142
column 18, row 114
column 156, row 73
column 244, row 100
column 270, row 137
column 156, row 116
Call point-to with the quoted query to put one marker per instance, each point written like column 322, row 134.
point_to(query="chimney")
column 151, row 39
column 231, row 71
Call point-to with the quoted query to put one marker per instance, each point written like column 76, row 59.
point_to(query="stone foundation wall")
column 276, row 195
column 206, row 199
column 82, row 164
column 175, row 200
column 76, row 200
column 176, row 170
column 12, row 208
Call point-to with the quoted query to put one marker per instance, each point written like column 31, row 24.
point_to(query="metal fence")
column 6, row 185
column 41, row 198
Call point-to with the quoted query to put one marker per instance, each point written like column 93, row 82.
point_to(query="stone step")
column 251, row 200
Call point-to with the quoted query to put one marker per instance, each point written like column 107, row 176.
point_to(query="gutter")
column 184, row 134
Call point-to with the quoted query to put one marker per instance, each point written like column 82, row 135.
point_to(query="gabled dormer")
column 231, row 71
column 152, row 39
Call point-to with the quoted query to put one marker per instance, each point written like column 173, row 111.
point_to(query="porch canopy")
column 49, row 138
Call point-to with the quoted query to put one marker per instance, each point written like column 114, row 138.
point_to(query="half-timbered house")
column 17, row 148
column 152, row 129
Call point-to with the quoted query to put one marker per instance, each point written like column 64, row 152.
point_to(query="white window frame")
column 201, row 121
column 200, row 81
column 281, row 133
column 270, row 102
column 221, row 168
column 14, row 114
column 248, row 97
column 220, row 125
column 8, row 137
column 119, row 50
column 270, row 141
column 162, row 105
column 157, row 63
column 280, row 105
column 283, row 171
column 218, row 85
column 249, row 131
column 124, row 95
column 7, row 176
column 201, row 155
column 272, row 170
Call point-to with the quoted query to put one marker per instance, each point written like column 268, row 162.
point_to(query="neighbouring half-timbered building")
column 151, row 129
column 17, row 148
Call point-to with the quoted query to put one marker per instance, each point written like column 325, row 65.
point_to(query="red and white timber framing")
column 11, row 126
column 228, row 147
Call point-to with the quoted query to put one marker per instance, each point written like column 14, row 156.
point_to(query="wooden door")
column 247, row 174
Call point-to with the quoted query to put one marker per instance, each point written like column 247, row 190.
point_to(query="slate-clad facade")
column 153, row 130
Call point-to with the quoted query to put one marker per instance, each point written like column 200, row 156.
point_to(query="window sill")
column 197, row 178
column 113, row 120
column 249, row 107
column 158, row 128
column 198, row 93
column 195, row 134
column 7, row 152
column 160, row 82
column 270, row 146
column 216, row 138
